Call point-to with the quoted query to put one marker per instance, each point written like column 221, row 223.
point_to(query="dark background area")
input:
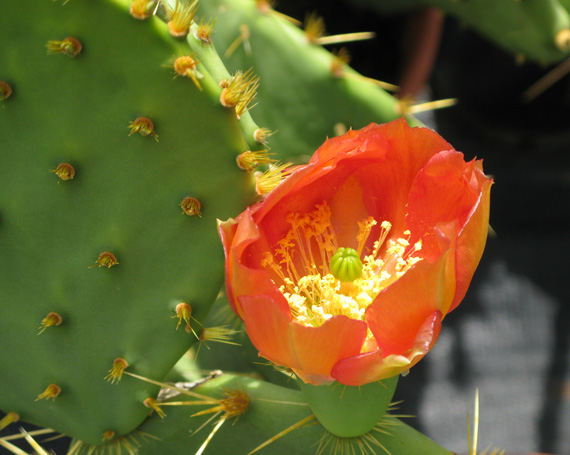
column 510, row 338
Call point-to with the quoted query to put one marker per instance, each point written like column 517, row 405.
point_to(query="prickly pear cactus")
column 307, row 92
column 120, row 125
column 113, row 173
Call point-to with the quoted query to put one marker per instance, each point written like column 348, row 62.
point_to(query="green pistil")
column 346, row 265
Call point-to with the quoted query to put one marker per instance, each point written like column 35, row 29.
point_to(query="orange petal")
column 471, row 243
column 373, row 366
column 242, row 277
column 448, row 190
column 309, row 351
column 399, row 312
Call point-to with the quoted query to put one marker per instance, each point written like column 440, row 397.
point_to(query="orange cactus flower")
column 347, row 268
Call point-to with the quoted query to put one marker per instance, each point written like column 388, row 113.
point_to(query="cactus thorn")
column 234, row 404
column 405, row 106
column 191, row 206
column 264, row 6
column 314, row 26
column 9, row 418
column 52, row 319
column 109, row 434
column 105, row 259
column 64, row 171
column 5, row 90
column 69, row 46
column 268, row 180
column 260, row 135
column 240, row 91
column 220, row 334
column 116, row 372
column 186, row 66
column 250, row 160
column 242, row 38
column 52, row 391
column 139, row 9
column 184, row 313
column 204, row 30
column 342, row 58
column 307, row 420
column 154, row 406
column 180, row 18
column 144, row 126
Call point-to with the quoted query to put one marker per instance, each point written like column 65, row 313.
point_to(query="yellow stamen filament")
column 52, row 319
column 116, row 372
column 300, row 265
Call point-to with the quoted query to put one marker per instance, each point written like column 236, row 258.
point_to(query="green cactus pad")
column 91, row 226
column 300, row 98
column 272, row 410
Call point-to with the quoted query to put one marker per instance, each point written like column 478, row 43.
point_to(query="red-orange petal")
column 375, row 365
column 398, row 313
column 311, row 352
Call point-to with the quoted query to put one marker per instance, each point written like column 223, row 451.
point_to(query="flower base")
column 350, row 411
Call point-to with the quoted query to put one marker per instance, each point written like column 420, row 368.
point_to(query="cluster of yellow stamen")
column 301, row 259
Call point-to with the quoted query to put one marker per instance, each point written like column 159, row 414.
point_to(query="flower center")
column 346, row 265
column 321, row 280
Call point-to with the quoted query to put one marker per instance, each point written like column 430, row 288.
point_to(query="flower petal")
column 448, row 190
column 242, row 276
column 398, row 313
column 310, row 352
column 373, row 366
